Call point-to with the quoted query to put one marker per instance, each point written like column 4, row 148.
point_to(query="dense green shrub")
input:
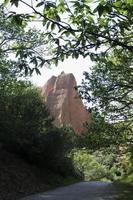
column 23, row 113
column 86, row 163
column 110, row 158
column 49, row 150
column 101, row 134
column 26, row 127
column 105, row 164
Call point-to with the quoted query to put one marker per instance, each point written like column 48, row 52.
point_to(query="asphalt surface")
column 86, row 191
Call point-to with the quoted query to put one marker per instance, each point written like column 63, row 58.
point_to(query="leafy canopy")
column 74, row 28
column 109, row 85
column 20, row 45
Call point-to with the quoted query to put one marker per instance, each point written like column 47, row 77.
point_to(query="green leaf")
column 130, row 2
column 61, row 6
column 57, row 42
column 62, row 56
column 48, row 24
column 67, row 33
column 17, row 19
column 100, row 10
column 58, row 18
column 15, row 2
column 37, row 71
column 55, row 61
column 34, row 61
column 53, row 26
column 50, row 5
column 76, row 55
column 117, row 4
column 26, row 71
column 31, row 71
column 40, row 4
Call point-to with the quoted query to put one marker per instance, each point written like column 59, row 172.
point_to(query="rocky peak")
column 63, row 102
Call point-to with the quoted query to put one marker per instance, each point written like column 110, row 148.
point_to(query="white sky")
column 75, row 66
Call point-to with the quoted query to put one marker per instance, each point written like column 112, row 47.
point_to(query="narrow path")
column 86, row 191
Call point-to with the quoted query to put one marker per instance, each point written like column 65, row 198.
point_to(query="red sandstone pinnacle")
column 63, row 102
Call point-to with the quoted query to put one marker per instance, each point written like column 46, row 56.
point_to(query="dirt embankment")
column 18, row 178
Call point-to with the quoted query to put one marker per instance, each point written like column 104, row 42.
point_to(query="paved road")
column 86, row 191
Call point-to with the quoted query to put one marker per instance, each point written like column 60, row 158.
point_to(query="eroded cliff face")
column 64, row 103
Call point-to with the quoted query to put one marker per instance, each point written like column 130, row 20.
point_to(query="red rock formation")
column 64, row 103
column 48, row 86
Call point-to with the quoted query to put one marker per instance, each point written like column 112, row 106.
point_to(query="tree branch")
column 51, row 20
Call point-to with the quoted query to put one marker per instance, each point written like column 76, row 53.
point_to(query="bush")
column 102, row 134
column 101, row 165
column 86, row 164
column 23, row 113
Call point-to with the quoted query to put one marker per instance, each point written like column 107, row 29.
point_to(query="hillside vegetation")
column 33, row 151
